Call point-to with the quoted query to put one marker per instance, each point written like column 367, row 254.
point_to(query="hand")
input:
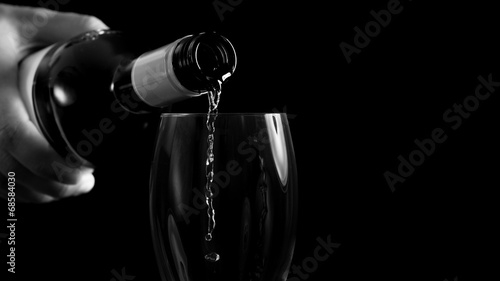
column 23, row 150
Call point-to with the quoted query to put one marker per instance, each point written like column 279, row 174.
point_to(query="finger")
column 23, row 194
column 22, row 140
column 43, row 185
column 44, row 26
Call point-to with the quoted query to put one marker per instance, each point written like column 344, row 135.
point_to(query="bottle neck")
column 125, row 93
column 188, row 67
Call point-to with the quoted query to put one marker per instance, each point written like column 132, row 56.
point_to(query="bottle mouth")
column 215, row 56
column 204, row 61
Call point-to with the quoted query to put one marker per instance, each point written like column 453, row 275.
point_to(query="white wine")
column 88, row 93
column 213, row 104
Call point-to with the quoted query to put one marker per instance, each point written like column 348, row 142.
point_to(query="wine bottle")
column 88, row 93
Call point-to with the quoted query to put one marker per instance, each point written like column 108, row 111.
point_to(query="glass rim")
column 220, row 114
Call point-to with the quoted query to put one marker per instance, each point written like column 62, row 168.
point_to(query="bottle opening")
column 215, row 61
column 207, row 58
column 204, row 60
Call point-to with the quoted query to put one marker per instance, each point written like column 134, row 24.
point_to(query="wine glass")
column 239, row 226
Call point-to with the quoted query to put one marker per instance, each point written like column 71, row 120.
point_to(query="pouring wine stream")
column 213, row 103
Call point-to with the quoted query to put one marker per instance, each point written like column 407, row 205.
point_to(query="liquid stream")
column 213, row 103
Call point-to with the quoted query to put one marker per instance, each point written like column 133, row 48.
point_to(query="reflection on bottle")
column 64, row 95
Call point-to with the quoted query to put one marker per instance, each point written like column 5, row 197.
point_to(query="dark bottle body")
column 74, row 102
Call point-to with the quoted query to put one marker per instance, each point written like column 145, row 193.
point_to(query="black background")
column 349, row 122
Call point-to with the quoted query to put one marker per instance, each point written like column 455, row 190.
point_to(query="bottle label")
column 154, row 80
column 27, row 71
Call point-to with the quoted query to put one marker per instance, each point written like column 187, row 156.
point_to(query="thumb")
column 40, row 26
